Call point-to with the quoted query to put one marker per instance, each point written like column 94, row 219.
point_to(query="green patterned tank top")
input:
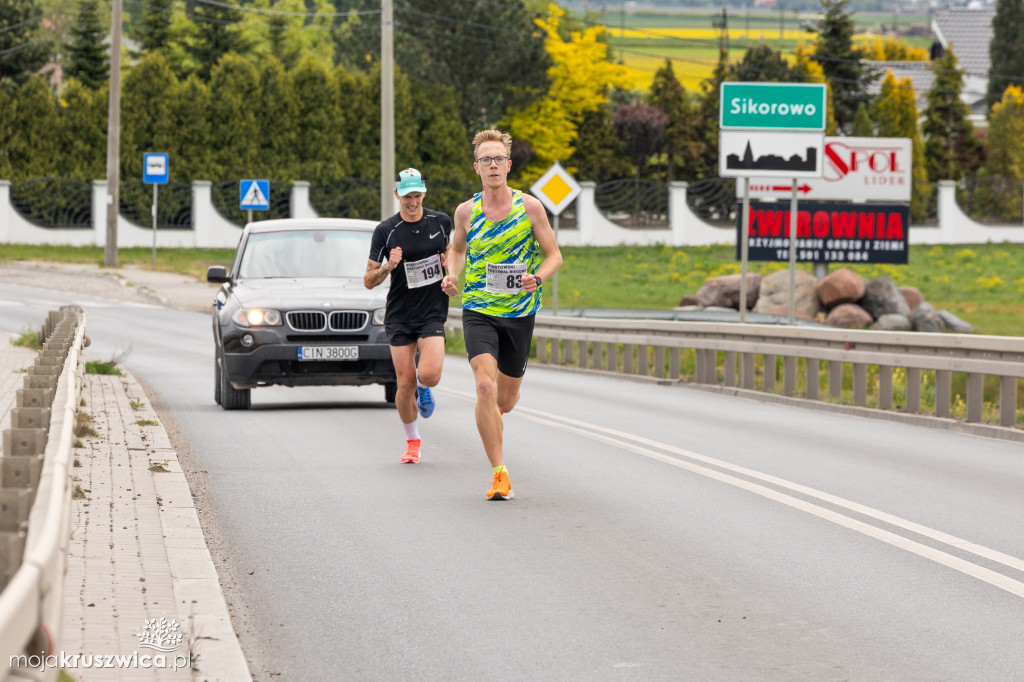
column 499, row 252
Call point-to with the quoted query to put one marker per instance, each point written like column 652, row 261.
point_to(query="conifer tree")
column 6, row 132
column 25, row 46
column 841, row 63
column 863, row 126
column 709, row 116
column 33, row 148
column 600, row 154
column 895, row 112
column 192, row 149
column 951, row 148
column 146, row 122
column 278, row 118
column 217, row 32
column 359, row 117
column 1006, row 58
column 153, row 29
column 319, row 143
column 234, row 92
column 87, row 54
column 82, row 131
column 1005, row 131
column 683, row 146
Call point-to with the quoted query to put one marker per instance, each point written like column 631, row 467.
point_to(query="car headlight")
column 256, row 317
column 378, row 315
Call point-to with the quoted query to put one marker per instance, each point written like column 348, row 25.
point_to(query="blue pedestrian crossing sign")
column 155, row 169
column 254, row 195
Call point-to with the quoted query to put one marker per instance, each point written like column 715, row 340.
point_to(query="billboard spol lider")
column 827, row 232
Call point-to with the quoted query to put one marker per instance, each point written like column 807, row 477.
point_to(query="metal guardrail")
column 738, row 355
column 35, row 492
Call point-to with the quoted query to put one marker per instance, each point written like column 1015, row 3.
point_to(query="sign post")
column 556, row 189
column 253, row 195
column 775, row 130
column 155, row 171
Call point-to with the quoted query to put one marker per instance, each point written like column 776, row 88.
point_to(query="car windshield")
column 307, row 253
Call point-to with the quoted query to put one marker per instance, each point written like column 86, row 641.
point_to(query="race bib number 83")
column 423, row 272
column 505, row 278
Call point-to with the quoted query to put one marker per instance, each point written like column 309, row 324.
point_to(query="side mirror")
column 217, row 274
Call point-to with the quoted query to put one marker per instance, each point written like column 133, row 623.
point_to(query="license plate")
column 328, row 352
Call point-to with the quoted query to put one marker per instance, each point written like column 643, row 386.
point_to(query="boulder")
column 774, row 293
column 842, row 286
column 724, row 291
column 954, row 323
column 688, row 301
column 892, row 322
column 913, row 297
column 881, row 297
column 848, row 316
column 925, row 319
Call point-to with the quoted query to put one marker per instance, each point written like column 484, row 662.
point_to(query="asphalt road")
column 657, row 533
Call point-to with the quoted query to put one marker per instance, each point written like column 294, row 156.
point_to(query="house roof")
column 969, row 31
column 920, row 73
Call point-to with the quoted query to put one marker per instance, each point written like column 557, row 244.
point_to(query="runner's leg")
column 488, row 418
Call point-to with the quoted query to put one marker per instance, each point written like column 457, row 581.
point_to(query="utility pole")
column 113, row 137
column 387, row 108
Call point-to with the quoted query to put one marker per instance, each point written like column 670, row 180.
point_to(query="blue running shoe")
column 424, row 401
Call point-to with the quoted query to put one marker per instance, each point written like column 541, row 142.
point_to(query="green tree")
column 359, row 115
column 234, row 94
column 709, row 104
column 217, row 33
column 25, row 47
column 82, row 131
column 863, row 126
column 895, row 112
column 842, row 63
column 319, row 142
column 153, row 31
column 491, row 53
column 33, row 148
column 278, row 119
column 683, row 144
column 87, row 55
column 600, row 154
column 443, row 152
column 580, row 76
column 6, row 133
column 762, row 63
column 146, row 121
column 1005, row 131
column 1006, row 58
column 192, row 149
column 951, row 147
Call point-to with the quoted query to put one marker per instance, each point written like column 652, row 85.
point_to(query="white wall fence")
column 211, row 230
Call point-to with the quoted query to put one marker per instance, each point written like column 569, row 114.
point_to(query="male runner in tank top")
column 504, row 240
column 411, row 247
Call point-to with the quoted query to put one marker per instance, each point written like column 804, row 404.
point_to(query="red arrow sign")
column 786, row 188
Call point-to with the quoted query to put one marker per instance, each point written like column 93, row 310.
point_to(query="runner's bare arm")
column 548, row 244
column 456, row 258
column 377, row 272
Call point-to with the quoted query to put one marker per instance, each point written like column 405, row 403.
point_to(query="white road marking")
column 642, row 446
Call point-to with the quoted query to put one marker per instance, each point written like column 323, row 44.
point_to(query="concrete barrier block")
column 47, row 381
column 12, row 552
column 40, row 370
column 30, row 418
column 14, row 506
column 20, row 442
column 20, row 472
column 49, row 360
column 33, row 397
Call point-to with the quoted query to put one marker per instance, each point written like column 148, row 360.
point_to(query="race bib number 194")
column 505, row 278
column 420, row 273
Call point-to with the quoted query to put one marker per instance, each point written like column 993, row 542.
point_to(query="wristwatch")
column 537, row 277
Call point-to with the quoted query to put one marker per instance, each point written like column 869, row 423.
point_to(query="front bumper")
column 277, row 364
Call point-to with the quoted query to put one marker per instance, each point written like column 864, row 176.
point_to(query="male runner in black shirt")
column 411, row 247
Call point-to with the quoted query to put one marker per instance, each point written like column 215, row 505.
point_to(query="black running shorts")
column 507, row 339
column 405, row 334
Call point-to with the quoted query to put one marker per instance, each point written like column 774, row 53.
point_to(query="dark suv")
column 294, row 312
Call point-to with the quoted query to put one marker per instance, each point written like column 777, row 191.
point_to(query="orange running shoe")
column 501, row 487
column 412, row 452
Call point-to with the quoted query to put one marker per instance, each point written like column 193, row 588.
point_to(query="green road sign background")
column 773, row 106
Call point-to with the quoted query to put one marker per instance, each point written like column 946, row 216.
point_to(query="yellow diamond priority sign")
column 556, row 189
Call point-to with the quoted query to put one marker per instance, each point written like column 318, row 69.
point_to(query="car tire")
column 232, row 398
column 391, row 391
column 216, row 378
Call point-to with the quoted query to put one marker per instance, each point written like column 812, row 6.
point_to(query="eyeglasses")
column 488, row 160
